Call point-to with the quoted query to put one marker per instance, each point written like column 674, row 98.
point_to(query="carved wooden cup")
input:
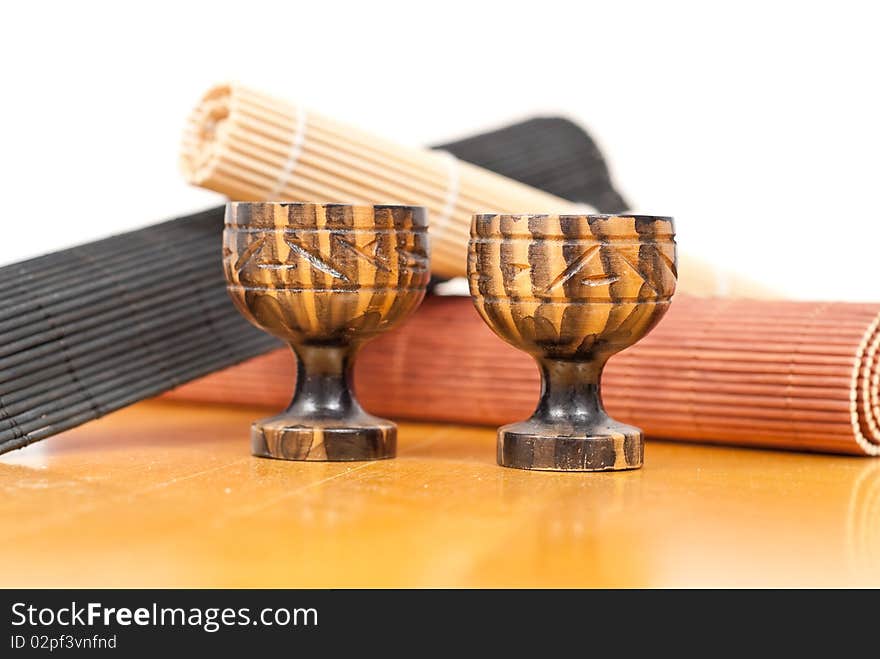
column 326, row 278
column 571, row 290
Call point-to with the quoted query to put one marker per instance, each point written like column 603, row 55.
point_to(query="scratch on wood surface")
column 267, row 503
column 196, row 474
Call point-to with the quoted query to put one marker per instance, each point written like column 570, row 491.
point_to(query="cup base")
column 532, row 445
column 309, row 441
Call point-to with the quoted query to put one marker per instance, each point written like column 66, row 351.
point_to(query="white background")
column 755, row 125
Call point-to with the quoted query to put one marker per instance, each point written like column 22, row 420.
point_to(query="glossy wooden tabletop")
column 163, row 494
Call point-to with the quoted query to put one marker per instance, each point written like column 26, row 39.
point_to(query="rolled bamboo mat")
column 785, row 375
column 254, row 147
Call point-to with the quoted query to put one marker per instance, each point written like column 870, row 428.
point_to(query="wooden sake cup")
column 571, row 290
column 325, row 278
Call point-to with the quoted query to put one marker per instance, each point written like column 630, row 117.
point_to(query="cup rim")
column 385, row 217
column 334, row 204
column 589, row 217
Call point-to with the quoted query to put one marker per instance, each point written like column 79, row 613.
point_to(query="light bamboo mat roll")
column 787, row 375
column 253, row 147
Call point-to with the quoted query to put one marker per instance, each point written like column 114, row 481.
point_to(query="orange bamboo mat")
column 791, row 375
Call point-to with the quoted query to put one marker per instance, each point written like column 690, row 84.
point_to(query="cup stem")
column 570, row 392
column 570, row 430
column 324, row 378
column 324, row 420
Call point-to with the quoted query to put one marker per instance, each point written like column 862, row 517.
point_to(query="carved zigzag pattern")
column 370, row 253
column 577, row 266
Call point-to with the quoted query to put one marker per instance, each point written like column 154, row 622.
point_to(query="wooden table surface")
column 165, row 494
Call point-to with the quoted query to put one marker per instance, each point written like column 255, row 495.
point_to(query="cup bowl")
column 571, row 286
column 326, row 273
